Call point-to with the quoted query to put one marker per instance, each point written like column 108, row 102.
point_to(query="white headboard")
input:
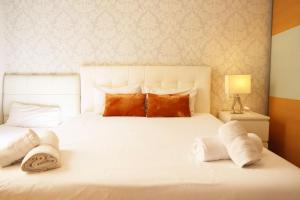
column 167, row 77
column 60, row 90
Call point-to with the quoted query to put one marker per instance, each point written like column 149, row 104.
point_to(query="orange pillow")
column 124, row 105
column 173, row 105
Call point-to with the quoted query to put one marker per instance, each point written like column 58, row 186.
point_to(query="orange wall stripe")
column 286, row 15
column 285, row 128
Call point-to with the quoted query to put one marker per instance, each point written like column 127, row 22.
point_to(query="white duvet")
column 145, row 158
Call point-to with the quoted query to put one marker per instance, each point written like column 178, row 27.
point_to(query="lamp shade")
column 238, row 84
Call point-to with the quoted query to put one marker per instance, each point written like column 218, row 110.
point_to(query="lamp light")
column 236, row 85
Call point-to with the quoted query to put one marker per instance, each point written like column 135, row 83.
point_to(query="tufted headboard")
column 167, row 77
column 60, row 90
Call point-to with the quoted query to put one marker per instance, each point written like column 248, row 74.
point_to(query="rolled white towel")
column 44, row 157
column 49, row 138
column 256, row 141
column 244, row 150
column 210, row 149
column 229, row 131
column 18, row 148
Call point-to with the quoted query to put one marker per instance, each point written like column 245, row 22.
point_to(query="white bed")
column 122, row 158
column 146, row 158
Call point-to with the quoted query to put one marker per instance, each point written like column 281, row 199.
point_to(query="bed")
column 141, row 158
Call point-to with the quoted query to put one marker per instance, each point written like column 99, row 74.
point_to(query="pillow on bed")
column 191, row 92
column 172, row 105
column 125, row 105
column 99, row 94
column 33, row 116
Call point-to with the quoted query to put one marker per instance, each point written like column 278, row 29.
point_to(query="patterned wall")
column 231, row 36
column 1, row 54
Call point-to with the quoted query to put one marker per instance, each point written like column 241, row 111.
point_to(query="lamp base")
column 237, row 106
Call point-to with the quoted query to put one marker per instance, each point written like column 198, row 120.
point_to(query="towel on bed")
column 44, row 157
column 256, row 141
column 242, row 149
column 210, row 149
column 18, row 148
column 229, row 131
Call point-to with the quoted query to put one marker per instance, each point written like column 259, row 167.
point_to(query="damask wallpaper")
column 1, row 55
column 231, row 36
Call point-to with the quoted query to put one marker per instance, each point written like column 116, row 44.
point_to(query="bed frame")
column 64, row 89
column 166, row 77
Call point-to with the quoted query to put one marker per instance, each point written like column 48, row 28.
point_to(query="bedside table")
column 253, row 122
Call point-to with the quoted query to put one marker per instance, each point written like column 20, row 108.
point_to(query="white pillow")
column 99, row 94
column 33, row 116
column 192, row 92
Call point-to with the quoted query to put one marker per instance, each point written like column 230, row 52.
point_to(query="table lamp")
column 236, row 85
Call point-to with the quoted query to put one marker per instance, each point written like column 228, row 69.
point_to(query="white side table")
column 253, row 122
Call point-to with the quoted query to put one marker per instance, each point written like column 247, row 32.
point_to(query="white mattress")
column 141, row 158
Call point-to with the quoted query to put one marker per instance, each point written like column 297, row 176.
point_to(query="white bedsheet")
column 141, row 158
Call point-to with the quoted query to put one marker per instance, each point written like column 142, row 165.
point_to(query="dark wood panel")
column 285, row 128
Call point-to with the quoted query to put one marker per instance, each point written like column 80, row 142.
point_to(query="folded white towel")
column 243, row 149
column 256, row 141
column 49, row 138
column 44, row 157
column 18, row 148
column 210, row 149
column 229, row 131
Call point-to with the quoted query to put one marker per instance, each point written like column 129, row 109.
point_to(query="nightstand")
column 253, row 122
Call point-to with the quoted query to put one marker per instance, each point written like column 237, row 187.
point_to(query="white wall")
column 59, row 35
column 285, row 71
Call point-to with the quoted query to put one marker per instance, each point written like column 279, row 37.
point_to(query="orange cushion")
column 124, row 105
column 168, row 105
